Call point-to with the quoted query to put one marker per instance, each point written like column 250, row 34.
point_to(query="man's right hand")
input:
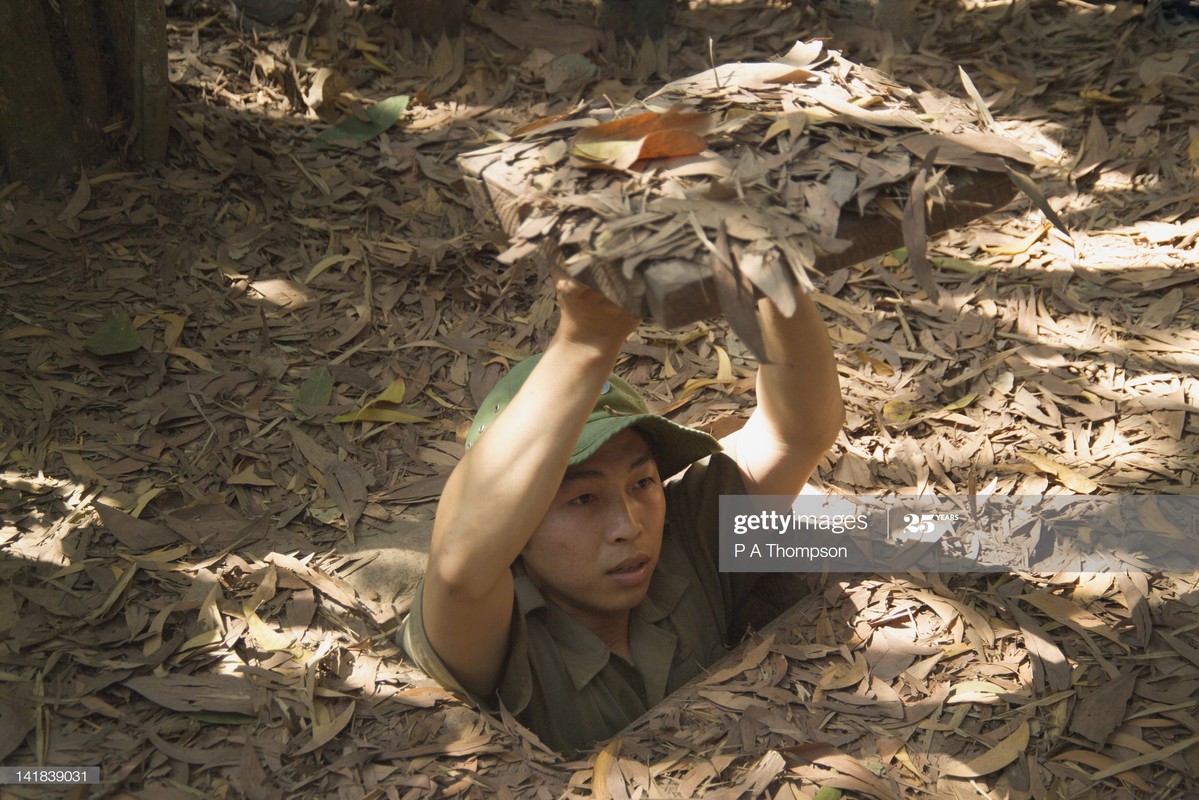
column 588, row 317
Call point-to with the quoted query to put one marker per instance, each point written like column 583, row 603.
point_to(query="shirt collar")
column 584, row 655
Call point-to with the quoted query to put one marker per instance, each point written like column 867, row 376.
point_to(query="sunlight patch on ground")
column 41, row 534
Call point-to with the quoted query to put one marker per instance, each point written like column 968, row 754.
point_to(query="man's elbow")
column 452, row 574
column 819, row 431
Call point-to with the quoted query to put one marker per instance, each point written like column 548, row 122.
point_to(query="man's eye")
column 645, row 483
column 582, row 500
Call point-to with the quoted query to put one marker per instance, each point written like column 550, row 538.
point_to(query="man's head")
column 595, row 549
column 597, row 546
column 618, row 408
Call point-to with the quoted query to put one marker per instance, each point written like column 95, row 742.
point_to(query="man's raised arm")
column 799, row 409
column 500, row 491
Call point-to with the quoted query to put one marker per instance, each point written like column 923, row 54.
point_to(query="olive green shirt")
column 565, row 684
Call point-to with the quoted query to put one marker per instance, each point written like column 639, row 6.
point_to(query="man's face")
column 598, row 544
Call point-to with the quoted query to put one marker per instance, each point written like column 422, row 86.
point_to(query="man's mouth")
column 629, row 565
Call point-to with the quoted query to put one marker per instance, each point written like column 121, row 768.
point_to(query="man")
column 565, row 580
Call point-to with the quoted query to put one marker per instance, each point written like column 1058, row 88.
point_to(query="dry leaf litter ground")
column 186, row 528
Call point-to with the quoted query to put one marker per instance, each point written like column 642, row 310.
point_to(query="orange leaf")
column 622, row 142
column 639, row 126
column 672, row 143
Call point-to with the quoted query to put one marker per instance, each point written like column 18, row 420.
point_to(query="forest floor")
column 295, row 338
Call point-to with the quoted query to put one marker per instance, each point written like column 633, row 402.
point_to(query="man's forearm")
column 501, row 490
column 798, row 389
column 799, row 408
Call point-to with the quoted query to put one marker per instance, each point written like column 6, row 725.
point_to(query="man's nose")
column 624, row 523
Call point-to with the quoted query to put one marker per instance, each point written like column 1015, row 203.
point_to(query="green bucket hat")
column 617, row 408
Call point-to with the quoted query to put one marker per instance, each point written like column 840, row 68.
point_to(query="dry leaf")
column 1071, row 479
column 383, row 408
column 1050, row 665
column 1067, row 613
column 914, row 230
column 1094, row 151
column 194, row 693
column 324, row 733
column 1101, row 710
column 736, row 295
column 79, row 200
column 348, row 490
column 998, row 757
column 605, row 776
column 136, row 534
column 1101, row 762
column 1149, row 758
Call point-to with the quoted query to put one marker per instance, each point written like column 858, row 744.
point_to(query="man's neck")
column 610, row 627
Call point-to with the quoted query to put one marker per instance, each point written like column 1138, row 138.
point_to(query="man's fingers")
column 572, row 289
column 563, row 283
column 558, row 274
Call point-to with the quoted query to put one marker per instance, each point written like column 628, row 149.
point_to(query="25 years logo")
column 925, row 527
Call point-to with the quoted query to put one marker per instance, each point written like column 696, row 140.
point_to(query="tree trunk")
column 36, row 137
column 138, row 39
column 69, row 70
